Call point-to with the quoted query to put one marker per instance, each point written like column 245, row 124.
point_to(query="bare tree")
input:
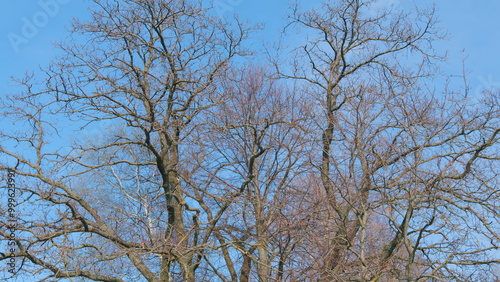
column 150, row 154
column 257, row 136
column 397, row 163
column 118, row 208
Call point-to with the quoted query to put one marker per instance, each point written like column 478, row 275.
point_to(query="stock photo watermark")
column 11, row 223
column 224, row 6
column 488, row 84
column 382, row 5
column 32, row 25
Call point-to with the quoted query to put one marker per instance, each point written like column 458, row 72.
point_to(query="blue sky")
column 28, row 30
column 474, row 26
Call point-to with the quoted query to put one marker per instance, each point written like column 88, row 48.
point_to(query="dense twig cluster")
column 334, row 163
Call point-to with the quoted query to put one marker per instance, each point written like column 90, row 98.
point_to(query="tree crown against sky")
column 154, row 150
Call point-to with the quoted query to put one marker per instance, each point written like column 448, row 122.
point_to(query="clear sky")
column 29, row 28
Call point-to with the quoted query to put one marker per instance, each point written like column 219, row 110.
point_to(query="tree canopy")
column 164, row 147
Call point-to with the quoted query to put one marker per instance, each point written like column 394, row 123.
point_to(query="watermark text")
column 11, row 223
column 31, row 25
